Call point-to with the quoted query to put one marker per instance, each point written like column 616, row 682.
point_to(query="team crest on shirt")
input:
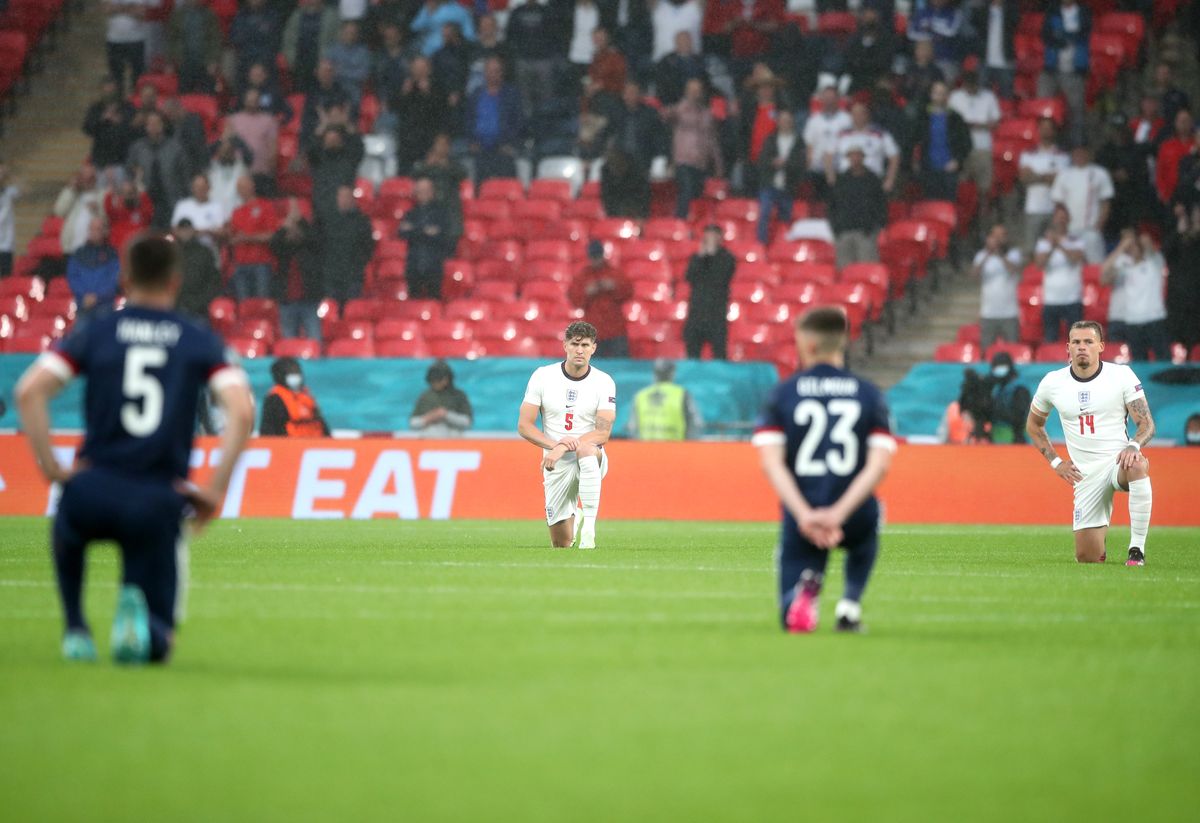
column 572, row 395
column 1085, row 397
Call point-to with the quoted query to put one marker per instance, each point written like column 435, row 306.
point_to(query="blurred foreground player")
column 1094, row 400
column 578, row 404
column 145, row 367
column 825, row 443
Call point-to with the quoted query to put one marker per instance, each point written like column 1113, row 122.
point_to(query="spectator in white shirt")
column 880, row 152
column 980, row 110
column 1038, row 168
column 125, row 40
column 207, row 216
column 79, row 202
column 227, row 167
column 821, row 132
column 1086, row 189
column 1136, row 269
column 998, row 267
column 1059, row 255
column 581, row 48
column 671, row 17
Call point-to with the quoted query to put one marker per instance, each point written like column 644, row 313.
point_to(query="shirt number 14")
column 1088, row 420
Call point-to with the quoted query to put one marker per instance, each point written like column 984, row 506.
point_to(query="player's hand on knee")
column 551, row 458
column 204, row 502
column 1067, row 471
column 1129, row 457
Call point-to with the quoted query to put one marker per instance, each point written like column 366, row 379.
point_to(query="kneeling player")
column 1094, row 399
column 825, row 443
column 145, row 367
column 578, row 404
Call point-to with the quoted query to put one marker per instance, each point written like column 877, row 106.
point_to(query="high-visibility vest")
column 301, row 411
column 660, row 412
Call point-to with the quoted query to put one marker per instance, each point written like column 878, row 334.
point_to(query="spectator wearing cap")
column 664, row 410
column 980, row 110
column 944, row 143
column 601, row 291
column 1137, row 271
column 200, row 275
column 1038, row 167
column 426, row 227
column 781, row 165
column 93, row 270
column 310, row 31
column 1060, row 256
column 995, row 22
column 709, row 273
column 998, row 267
column 1086, row 189
column 694, row 147
column 1066, row 32
column 442, row 410
column 857, row 211
column 289, row 409
column 299, row 281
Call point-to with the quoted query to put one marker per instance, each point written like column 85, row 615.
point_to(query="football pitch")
column 462, row 671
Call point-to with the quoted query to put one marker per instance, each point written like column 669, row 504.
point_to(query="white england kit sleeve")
column 1092, row 411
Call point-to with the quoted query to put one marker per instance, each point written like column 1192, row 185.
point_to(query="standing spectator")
column 880, row 151
column 624, row 186
column 206, row 216
column 670, row 17
column 532, row 34
column 1171, row 152
column 259, row 130
column 334, row 160
column 201, row 280
column 421, row 113
column 871, row 51
column 601, row 290
column 447, row 175
column 490, row 44
column 760, row 103
column 675, row 69
column 1138, row 270
column 79, row 202
column 980, row 110
column 1038, row 167
column 159, row 163
column 1060, row 256
column 944, row 145
column 351, row 61
column 857, row 211
column 941, row 22
column 1086, row 190
column 1183, row 286
column 443, row 409
column 452, row 66
column 433, row 16
column 995, row 21
column 270, row 97
column 1134, row 200
column 94, row 269
column 638, row 130
column 628, row 21
column 194, row 45
column 289, row 409
column 694, row 146
column 998, row 267
column 664, row 410
column 1066, row 31
column 250, row 230
column 709, row 273
column 781, row 165
column 749, row 26
column 310, row 31
column 108, row 123
column 255, row 36
column 326, row 102
column 298, row 283
column 128, row 210
column 384, row 13
column 1172, row 99
column 821, row 132
column 125, row 40
column 8, row 199
column 1147, row 127
column 187, row 128
column 607, row 73
column 347, row 245
column 390, row 72
column 224, row 172
column 495, row 124
column 919, row 76
column 581, row 48
column 426, row 227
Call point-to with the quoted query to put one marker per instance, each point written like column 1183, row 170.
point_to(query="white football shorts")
column 1094, row 495
column 562, row 488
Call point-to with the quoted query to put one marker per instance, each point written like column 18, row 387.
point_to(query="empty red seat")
column 1052, row 352
column 395, row 328
column 205, row 107
column 396, row 188
column 58, row 306
column 651, row 290
column 489, row 330
column 737, row 208
column 1038, row 108
column 222, row 313
column 399, row 347
column 943, row 211
column 747, row 291
column 823, row 273
column 544, row 211
column 27, row 344
column 666, row 228
column 551, row 290
column 299, row 347
column 798, row 295
column 969, row 333
column 575, row 231
column 837, row 23
column 655, row 270
column 548, row 189
column 956, row 353
column 258, row 328
column 559, row 250
column 495, row 291
column 502, row 188
column 446, row 329
column 766, row 312
column 508, row 251
column 614, row 228
column 488, row 210
column 876, row 274
column 747, row 251
column 258, row 308
column 1020, row 352
column 351, row 347
column 33, row 288
column 637, row 248
column 467, row 309
column 801, row 251
column 248, row 348
column 585, row 208
column 556, row 270
column 363, row 309
column 415, row 309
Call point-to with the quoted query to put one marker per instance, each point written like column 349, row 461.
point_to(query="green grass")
column 461, row 671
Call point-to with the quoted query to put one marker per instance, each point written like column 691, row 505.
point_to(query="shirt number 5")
column 570, row 421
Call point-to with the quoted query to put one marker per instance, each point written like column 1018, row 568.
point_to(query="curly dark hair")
column 580, row 329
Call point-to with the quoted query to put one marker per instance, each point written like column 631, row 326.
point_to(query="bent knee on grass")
column 1089, row 545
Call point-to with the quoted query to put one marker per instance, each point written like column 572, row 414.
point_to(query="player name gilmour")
column 810, row 386
column 155, row 333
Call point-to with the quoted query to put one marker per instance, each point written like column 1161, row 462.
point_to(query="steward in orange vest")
column 288, row 409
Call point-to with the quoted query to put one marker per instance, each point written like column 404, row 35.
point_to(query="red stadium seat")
column 255, row 328
column 206, row 108
column 45, row 248
column 508, row 251
column 1020, row 129
column 770, row 313
column 969, row 333
column 247, row 348
column 446, row 330
column 467, row 309
column 298, row 347
column 53, row 307
column 573, row 230
column 649, row 270
column 559, row 250
column 800, row 295
column 956, row 353
column 747, row 291
column 1052, row 352
column 27, row 344
column 502, row 188
column 488, row 332
column 458, row 280
column 548, row 290
column 1052, row 107
column 528, row 347
column 350, row 329
column 639, row 249
column 258, row 308
column 351, row 347
column 58, row 287
column 504, row 229
column 495, row 291
column 747, row 251
column 363, row 309
column 766, row 273
column 822, row 273
column 614, row 228
column 1118, row 353
column 398, row 347
column 496, row 270
column 490, row 210
column 394, row 328
column 737, row 208
column 801, row 251
column 543, row 211
column 396, row 188
column 1020, row 352
column 942, row 211
column 31, row 288
column 585, row 208
column 838, row 24
column 876, row 274
column 557, row 270
column 222, row 313
column 416, row 309
column 1130, row 26
column 547, row 189
column 666, row 228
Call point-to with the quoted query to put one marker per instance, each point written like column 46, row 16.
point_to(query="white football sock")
column 589, row 498
column 1141, row 500
column 848, row 609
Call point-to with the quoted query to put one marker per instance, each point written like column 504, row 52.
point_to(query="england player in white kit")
column 578, row 404
column 1094, row 399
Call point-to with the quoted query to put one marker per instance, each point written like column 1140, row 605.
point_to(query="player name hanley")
column 827, row 386
column 151, row 332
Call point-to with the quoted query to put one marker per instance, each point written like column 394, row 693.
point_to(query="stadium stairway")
column 43, row 144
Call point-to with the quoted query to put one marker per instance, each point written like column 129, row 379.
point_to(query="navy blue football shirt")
column 145, row 369
column 828, row 419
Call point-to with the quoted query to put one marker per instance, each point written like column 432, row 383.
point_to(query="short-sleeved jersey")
column 569, row 404
column 145, row 369
column 828, row 418
column 1092, row 410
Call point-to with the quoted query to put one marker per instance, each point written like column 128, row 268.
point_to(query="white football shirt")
column 821, row 132
column 569, row 404
column 878, row 147
column 1092, row 411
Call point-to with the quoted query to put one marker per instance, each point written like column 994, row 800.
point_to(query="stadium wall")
column 331, row 479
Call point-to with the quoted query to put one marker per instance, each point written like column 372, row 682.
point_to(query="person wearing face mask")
column 1009, row 401
column 443, row 409
column 1191, row 430
column 289, row 409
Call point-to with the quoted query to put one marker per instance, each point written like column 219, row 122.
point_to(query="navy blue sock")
column 68, row 553
column 160, row 640
column 859, row 561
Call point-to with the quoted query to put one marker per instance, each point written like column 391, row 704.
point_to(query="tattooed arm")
column 1139, row 410
column 1035, row 427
